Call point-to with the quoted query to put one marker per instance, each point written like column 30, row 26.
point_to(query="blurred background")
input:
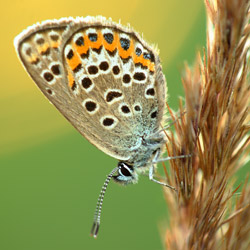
column 50, row 176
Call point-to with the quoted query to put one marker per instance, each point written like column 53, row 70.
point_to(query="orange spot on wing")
column 71, row 79
column 143, row 61
column 97, row 44
column 82, row 49
column 55, row 44
column 74, row 61
column 152, row 67
column 111, row 47
column 138, row 59
column 43, row 48
column 126, row 53
column 33, row 58
column 89, row 44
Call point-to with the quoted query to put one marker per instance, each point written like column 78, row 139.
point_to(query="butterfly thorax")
column 142, row 156
column 141, row 159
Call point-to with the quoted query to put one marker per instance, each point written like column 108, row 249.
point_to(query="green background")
column 50, row 177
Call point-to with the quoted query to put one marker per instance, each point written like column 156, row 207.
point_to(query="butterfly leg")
column 151, row 173
column 151, row 177
column 172, row 158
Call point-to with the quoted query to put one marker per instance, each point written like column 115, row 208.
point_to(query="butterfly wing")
column 101, row 76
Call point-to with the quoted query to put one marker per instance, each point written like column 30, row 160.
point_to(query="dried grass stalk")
column 207, row 214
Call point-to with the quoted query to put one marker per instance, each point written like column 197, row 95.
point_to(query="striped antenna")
column 97, row 217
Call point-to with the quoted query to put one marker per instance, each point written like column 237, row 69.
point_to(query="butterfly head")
column 125, row 174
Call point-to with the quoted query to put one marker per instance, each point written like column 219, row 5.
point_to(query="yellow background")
column 50, row 177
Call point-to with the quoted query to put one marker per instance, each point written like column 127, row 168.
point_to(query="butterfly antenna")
column 98, row 210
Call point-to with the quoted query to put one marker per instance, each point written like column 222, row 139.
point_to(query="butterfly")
column 108, row 83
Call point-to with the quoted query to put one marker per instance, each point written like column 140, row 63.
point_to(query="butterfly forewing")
column 101, row 76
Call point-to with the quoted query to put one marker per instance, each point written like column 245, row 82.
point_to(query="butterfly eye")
column 125, row 170
column 126, row 174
